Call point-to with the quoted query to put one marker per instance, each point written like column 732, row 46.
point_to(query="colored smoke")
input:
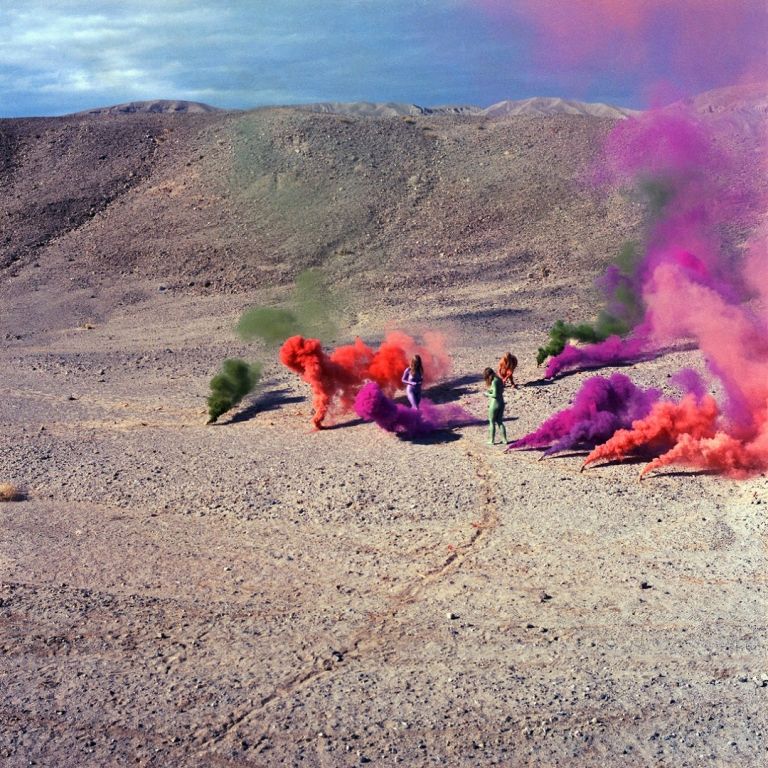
column 599, row 408
column 372, row 404
column 336, row 378
column 228, row 387
column 692, row 44
column 661, row 429
column 312, row 306
column 613, row 351
column 702, row 194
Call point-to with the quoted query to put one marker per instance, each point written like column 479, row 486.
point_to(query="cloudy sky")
column 68, row 55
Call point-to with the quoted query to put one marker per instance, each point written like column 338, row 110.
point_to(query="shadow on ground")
column 268, row 401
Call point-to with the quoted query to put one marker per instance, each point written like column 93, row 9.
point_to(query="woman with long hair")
column 413, row 376
column 495, row 395
column 507, row 366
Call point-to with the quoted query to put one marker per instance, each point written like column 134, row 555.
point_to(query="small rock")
column 543, row 597
column 452, row 615
column 645, row 585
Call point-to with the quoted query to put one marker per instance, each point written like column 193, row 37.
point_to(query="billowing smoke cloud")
column 599, row 408
column 372, row 404
column 228, row 387
column 701, row 178
column 661, row 429
column 336, row 378
column 692, row 44
column 695, row 179
column 310, row 313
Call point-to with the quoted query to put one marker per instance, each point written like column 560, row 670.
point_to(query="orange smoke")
column 327, row 378
column 335, row 378
column 661, row 429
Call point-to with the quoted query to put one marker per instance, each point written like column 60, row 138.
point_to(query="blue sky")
column 63, row 56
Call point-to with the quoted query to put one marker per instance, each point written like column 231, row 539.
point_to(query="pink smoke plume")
column 372, row 404
column 336, row 378
column 700, row 182
column 694, row 44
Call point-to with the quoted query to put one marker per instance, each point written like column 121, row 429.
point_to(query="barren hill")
column 390, row 206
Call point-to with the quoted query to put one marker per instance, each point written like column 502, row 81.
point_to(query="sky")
column 71, row 55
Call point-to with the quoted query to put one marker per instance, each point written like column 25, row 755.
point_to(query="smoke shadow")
column 565, row 455
column 620, row 462
column 343, row 424
column 268, row 401
column 435, row 438
column 500, row 313
column 682, row 473
column 452, row 389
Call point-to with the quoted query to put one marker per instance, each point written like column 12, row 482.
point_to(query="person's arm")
column 406, row 376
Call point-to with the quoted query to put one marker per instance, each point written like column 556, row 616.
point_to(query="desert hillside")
column 393, row 208
column 253, row 594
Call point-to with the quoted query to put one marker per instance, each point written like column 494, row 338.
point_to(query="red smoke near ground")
column 327, row 379
column 661, row 429
column 335, row 378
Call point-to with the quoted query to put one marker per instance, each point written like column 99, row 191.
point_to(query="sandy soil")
column 255, row 594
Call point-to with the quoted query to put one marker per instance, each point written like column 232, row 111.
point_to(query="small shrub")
column 10, row 492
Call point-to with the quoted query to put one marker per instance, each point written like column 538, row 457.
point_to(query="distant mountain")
column 385, row 109
column 156, row 106
column 540, row 105
column 536, row 106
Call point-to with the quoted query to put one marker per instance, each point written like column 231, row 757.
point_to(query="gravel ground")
column 256, row 594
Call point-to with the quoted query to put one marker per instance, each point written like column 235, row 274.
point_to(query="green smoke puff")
column 268, row 323
column 228, row 387
column 561, row 333
column 310, row 315
column 314, row 305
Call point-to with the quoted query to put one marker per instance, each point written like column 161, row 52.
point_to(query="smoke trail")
column 311, row 313
column 599, row 408
column 693, row 44
column 661, row 429
column 235, row 380
column 336, row 378
column 372, row 404
column 614, row 350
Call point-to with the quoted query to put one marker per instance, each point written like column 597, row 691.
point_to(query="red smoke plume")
column 327, row 378
column 662, row 428
column 336, row 378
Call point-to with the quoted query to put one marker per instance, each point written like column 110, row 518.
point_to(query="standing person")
column 495, row 394
column 507, row 366
column 413, row 375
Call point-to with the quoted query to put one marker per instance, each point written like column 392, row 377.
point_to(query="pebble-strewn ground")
column 255, row 594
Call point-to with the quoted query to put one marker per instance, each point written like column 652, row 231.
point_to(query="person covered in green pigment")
column 495, row 393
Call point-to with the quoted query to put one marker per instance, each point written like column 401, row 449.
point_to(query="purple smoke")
column 699, row 176
column 599, row 408
column 612, row 351
column 690, row 381
column 372, row 404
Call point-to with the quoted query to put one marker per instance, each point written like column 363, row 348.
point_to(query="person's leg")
column 500, row 422
column 412, row 395
column 492, row 422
